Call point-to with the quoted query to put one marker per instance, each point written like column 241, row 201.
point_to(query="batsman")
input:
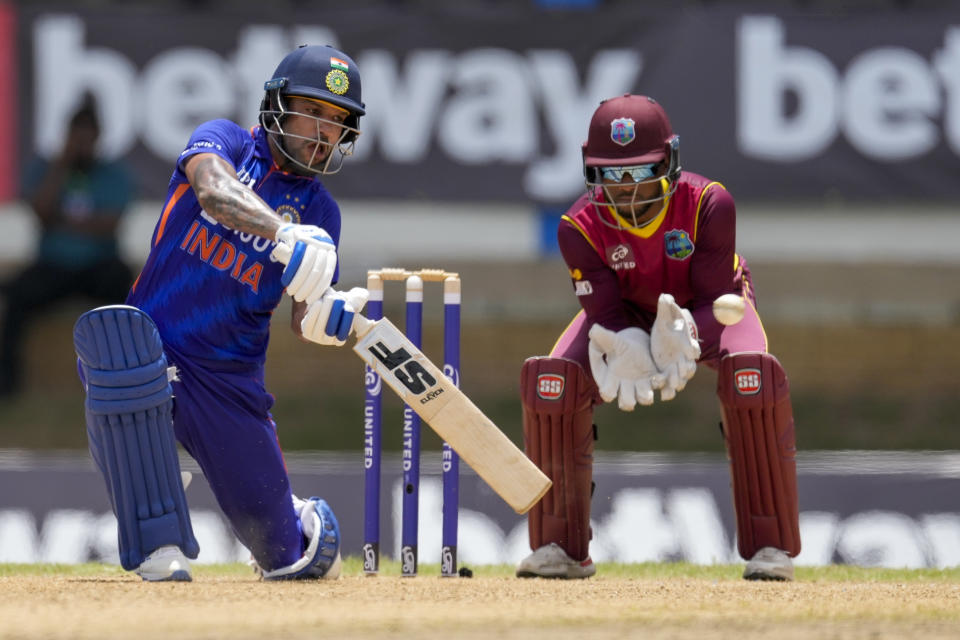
column 246, row 221
column 649, row 247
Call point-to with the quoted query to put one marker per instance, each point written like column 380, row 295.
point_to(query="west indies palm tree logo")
column 677, row 244
column 623, row 131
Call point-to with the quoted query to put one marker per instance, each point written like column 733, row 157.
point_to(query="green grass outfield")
column 353, row 566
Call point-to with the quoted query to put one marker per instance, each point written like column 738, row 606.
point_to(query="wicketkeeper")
column 649, row 248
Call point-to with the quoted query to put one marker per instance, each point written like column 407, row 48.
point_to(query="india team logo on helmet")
column 337, row 79
column 623, row 131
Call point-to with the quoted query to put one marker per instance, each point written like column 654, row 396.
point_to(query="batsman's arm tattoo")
column 228, row 200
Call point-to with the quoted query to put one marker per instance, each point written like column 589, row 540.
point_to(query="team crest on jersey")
column 290, row 210
column 337, row 81
column 550, row 386
column 677, row 244
column 289, row 214
column 623, row 131
column 620, row 257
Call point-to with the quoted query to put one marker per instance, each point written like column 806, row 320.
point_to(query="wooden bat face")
column 449, row 412
column 404, row 367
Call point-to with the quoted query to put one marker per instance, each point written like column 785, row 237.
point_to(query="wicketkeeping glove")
column 674, row 345
column 329, row 320
column 311, row 260
column 623, row 367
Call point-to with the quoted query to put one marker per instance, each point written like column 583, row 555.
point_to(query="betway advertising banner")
column 867, row 509
column 492, row 105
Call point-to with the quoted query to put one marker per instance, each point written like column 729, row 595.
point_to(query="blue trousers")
column 223, row 420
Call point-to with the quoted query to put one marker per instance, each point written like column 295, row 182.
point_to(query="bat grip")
column 361, row 325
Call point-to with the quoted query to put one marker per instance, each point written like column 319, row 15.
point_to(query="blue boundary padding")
column 549, row 219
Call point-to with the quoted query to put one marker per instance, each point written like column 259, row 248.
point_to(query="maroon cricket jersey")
column 688, row 250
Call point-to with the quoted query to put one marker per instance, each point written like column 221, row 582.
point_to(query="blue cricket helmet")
column 316, row 71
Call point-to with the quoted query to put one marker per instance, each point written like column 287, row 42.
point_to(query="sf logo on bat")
column 406, row 370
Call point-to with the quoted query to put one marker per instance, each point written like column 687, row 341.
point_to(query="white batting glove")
column 623, row 367
column 330, row 319
column 674, row 345
column 311, row 260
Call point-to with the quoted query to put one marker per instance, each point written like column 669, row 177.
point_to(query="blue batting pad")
column 130, row 430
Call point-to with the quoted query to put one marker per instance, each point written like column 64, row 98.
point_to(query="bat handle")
column 361, row 325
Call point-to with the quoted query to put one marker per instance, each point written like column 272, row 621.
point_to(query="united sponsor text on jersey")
column 621, row 257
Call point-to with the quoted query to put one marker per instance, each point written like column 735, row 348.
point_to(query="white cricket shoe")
column 550, row 561
column 769, row 563
column 166, row 564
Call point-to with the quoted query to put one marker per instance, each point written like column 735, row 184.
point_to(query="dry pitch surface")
column 653, row 604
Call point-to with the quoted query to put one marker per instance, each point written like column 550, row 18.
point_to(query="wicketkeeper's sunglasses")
column 636, row 172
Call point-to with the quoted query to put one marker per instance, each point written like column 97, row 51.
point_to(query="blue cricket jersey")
column 211, row 289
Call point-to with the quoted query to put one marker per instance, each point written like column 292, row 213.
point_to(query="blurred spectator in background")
column 78, row 199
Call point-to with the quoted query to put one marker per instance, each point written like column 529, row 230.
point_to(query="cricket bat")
column 426, row 390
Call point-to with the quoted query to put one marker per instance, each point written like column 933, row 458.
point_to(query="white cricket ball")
column 728, row 308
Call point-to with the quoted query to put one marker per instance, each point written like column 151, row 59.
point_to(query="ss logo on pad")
column 550, row 386
column 747, row 381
